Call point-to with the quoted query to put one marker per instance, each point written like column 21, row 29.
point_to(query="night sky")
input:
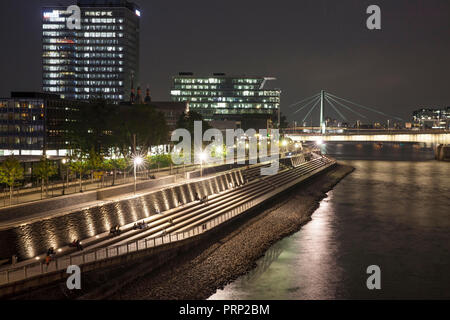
column 308, row 45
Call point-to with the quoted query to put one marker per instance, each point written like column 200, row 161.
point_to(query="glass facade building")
column 32, row 122
column 222, row 97
column 99, row 61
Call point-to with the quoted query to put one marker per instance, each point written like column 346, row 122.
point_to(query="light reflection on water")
column 394, row 214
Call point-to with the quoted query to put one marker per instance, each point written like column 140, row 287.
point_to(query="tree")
column 187, row 121
column 283, row 121
column 108, row 165
column 43, row 171
column 10, row 172
column 94, row 162
column 106, row 128
column 141, row 121
column 159, row 161
column 120, row 164
column 78, row 164
column 91, row 127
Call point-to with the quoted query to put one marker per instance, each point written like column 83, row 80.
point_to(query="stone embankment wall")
column 29, row 240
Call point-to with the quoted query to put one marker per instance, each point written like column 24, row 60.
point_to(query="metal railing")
column 60, row 264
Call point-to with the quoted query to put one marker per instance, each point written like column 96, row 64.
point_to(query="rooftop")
column 222, row 75
column 108, row 3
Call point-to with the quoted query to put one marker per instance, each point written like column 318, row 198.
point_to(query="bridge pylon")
column 335, row 103
column 322, row 120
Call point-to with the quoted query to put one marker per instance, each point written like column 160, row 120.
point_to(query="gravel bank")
column 235, row 253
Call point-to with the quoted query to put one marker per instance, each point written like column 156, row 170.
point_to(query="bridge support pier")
column 442, row 152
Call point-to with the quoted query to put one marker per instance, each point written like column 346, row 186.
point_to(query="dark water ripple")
column 393, row 212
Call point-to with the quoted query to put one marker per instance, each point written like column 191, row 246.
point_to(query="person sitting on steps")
column 115, row 230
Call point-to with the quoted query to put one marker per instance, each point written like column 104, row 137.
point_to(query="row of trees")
column 107, row 129
column 105, row 137
column 12, row 172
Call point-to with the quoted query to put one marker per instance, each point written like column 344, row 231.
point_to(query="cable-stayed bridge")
column 345, row 109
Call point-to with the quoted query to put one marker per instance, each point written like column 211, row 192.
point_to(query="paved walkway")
column 35, row 194
column 11, row 223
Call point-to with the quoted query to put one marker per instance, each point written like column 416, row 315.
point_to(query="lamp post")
column 64, row 162
column 284, row 144
column 137, row 162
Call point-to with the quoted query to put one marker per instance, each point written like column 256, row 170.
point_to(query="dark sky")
column 308, row 45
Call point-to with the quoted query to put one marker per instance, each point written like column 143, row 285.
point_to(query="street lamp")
column 64, row 161
column 284, row 144
column 137, row 162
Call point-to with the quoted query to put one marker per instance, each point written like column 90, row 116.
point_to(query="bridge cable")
column 367, row 108
column 304, row 100
column 315, row 105
column 348, row 108
column 306, row 105
column 335, row 109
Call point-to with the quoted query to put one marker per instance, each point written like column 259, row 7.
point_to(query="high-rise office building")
column 227, row 98
column 101, row 60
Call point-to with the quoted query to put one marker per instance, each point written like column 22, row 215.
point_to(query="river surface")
column 393, row 212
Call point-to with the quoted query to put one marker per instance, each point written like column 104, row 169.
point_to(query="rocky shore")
column 234, row 253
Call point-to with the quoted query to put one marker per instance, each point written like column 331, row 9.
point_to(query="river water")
column 393, row 212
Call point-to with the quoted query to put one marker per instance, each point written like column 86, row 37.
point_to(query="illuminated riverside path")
column 228, row 195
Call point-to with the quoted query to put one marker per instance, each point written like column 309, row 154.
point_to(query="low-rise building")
column 239, row 101
column 432, row 118
column 31, row 123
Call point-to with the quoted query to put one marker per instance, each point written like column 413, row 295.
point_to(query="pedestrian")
column 51, row 252
column 47, row 260
column 79, row 246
